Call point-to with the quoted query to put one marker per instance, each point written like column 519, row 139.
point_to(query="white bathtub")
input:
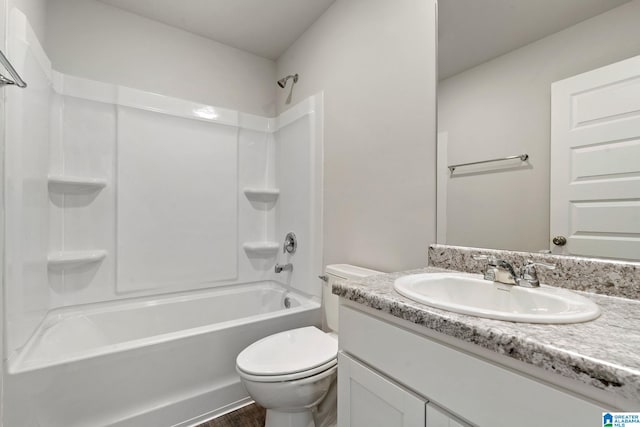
column 158, row 362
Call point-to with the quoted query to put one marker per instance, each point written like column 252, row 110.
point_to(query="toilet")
column 291, row 372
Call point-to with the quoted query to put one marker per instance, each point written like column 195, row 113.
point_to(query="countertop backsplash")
column 601, row 276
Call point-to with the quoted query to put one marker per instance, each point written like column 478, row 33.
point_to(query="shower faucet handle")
column 290, row 243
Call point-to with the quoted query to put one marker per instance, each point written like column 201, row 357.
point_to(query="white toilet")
column 290, row 373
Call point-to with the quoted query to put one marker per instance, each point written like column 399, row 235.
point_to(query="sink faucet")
column 529, row 274
column 505, row 273
column 286, row 267
column 501, row 271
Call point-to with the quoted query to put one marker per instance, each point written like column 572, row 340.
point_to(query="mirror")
column 580, row 181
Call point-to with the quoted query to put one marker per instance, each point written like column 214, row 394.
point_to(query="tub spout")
column 280, row 268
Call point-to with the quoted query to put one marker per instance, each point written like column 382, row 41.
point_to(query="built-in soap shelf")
column 262, row 194
column 65, row 259
column 263, row 249
column 75, row 184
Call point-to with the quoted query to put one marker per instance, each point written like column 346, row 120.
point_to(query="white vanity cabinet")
column 436, row 417
column 392, row 376
column 368, row 399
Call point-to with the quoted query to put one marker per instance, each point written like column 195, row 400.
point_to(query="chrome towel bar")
column 522, row 157
column 5, row 81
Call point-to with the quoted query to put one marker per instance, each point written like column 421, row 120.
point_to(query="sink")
column 467, row 294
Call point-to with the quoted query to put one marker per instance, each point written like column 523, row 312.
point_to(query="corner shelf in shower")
column 261, row 194
column 263, row 249
column 75, row 184
column 63, row 259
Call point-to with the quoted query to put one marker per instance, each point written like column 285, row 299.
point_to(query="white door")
column 595, row 162
column 366, row 399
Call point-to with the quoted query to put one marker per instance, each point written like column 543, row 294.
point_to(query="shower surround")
column 141, row 236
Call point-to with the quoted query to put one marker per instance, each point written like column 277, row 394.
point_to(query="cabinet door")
column 366, row 399
column 436, row 417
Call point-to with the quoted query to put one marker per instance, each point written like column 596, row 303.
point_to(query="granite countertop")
column 602, row 353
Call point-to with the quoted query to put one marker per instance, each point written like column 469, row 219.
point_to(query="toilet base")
column 289, row 419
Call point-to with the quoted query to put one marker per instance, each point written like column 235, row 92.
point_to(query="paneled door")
column 595, row 163
column 367, row 399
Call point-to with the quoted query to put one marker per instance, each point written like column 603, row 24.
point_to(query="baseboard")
column 217, row 413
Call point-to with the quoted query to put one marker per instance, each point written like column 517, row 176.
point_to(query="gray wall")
column 375, row 61
column 90, row 39
column 503, row 107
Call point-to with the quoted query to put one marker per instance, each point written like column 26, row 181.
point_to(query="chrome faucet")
column 501, row 271
column 529, row 274
column 286, row 267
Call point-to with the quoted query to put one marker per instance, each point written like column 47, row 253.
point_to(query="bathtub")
column 166, row 361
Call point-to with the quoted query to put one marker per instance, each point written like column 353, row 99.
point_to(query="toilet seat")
column 289, row 377
column 288, row 355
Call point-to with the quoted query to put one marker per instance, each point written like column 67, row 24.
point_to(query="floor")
column 248, row 416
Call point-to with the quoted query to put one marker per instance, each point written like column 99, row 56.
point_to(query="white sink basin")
column 466, row 294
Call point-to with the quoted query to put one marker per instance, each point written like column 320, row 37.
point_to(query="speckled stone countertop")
column 603, row 353
column 600, row 276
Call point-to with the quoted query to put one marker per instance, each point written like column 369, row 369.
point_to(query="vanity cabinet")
column 391, row 375
column 368, row 399
column 436, row 417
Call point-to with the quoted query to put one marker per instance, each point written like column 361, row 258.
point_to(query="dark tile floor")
column 248, row 416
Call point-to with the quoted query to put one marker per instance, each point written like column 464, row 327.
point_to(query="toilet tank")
column 339, row 272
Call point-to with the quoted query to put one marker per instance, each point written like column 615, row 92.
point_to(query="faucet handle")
column 529, row 274
column 547, row 265
column 490, row 269
column 491, row 260
column 290, row 243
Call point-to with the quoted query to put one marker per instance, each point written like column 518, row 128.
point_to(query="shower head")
column 283, row 81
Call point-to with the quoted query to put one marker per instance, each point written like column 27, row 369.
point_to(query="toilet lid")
column 288, row 352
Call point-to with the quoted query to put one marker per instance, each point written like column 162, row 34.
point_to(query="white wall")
column 27, row 157
column 375, row 62
column 36, row 11
column 503, row 107
column 92, row 130
column 3, row 46
column 298, row 175
column 90, row 39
